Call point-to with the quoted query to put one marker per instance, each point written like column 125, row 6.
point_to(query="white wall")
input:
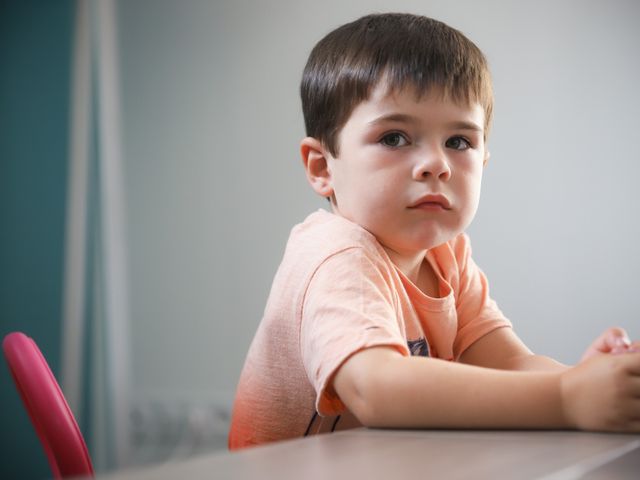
column 212, row 123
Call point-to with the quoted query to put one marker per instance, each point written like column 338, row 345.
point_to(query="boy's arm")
column 382, row 388
column 503, row 349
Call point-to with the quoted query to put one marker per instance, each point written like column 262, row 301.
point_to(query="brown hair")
column 406, row 49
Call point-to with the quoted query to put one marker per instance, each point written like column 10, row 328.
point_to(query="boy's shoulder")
column 328, row 229
column 320, row 238
column 323, row 234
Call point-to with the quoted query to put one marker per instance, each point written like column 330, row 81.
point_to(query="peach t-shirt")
column 337, row 292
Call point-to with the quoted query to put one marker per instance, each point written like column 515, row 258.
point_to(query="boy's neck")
column 410, row 265
column 418, row 270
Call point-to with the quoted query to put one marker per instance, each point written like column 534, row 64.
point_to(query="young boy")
column 378, row 315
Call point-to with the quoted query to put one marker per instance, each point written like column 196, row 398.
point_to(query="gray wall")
column 214, row 182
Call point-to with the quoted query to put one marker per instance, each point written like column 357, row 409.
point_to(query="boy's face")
column 408, row 170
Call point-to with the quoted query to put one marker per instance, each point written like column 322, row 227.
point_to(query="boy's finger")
column 633, row 427
column 634, row 391
column 613, row 340
column 617, row 337
column 632, row 362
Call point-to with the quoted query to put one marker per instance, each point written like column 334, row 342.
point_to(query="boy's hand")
column 613, row 340
column 603, row 393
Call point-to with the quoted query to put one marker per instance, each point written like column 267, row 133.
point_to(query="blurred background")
column 149, row 177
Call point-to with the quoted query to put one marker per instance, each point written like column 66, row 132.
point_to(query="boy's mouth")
column 431, row 201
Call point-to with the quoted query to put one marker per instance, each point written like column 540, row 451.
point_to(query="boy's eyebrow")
column 405, row 118
column 465, row 125
column 394, row 117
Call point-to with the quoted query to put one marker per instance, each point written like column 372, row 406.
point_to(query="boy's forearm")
column 430, row 393
column 452, row 395
column 534, row 363
column 503, row 350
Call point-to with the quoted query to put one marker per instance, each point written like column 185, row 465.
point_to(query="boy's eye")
column 394, row 139
column 458, row 143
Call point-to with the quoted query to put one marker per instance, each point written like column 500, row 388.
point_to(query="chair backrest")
column 44, row 401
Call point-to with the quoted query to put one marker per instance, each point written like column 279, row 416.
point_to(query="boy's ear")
column 314, row 158
column 487, row 155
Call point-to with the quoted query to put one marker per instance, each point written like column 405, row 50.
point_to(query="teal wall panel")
column 35, row 72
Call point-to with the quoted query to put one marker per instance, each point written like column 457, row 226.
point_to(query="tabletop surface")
column 390, row 454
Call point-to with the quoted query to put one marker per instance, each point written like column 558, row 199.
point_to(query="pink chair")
column 44, row 401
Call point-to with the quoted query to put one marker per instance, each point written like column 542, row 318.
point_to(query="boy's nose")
column 433, row 164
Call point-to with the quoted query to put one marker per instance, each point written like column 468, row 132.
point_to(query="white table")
column 418, row 454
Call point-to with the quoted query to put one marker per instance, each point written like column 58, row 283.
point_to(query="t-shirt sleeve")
column 478, row 313
column 348, row 306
